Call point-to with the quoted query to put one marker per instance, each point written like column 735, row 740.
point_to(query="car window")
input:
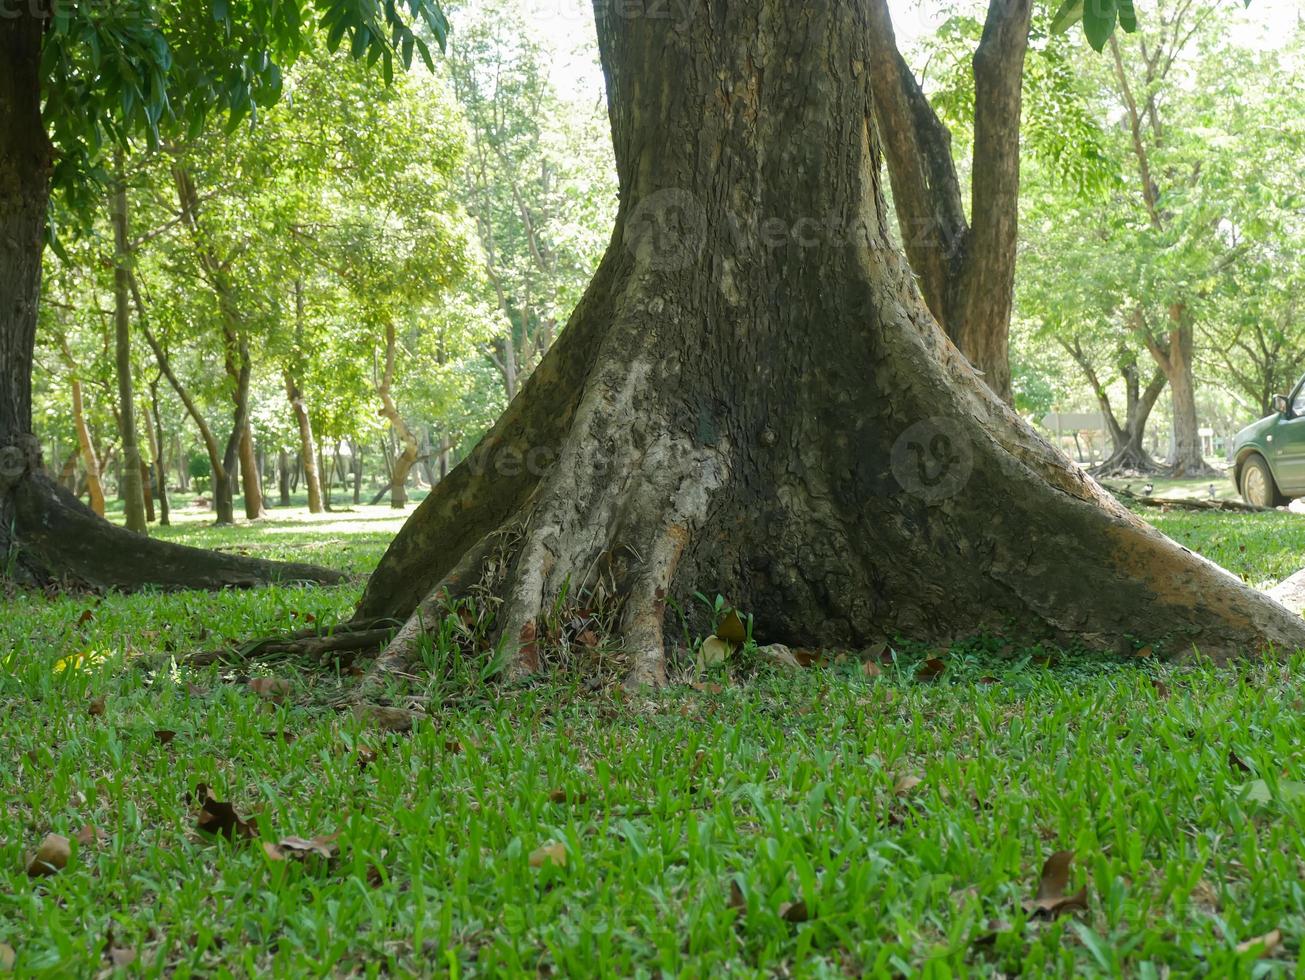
column 1298, row 405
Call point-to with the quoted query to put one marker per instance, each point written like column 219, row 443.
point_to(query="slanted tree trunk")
column 966, row 269
column 90, row 462
column 130, row 487
column 307, row 450
column 250, row 476
column 154, row 430
column 403, row 463
column 775, row 418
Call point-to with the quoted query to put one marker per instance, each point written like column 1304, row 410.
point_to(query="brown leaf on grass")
column 217, row 817
column 1235, row 762
column 587, row 638
column 561, row 795
column 366, row 756
column 1146, row 651
column 905, row 784
column 988, row 680
column 386, row 719
column 731, row 628
column 1161, row 688
column 779, row 655
column 96, row 707
column 194, row 690
column 281, row 736
column 737, row 899
column 452, row 746
column 871, row 669
column 7, row 958
column 931, row 669
column 794, row 911
column 323, row 846
column 1267, row 944
column 707, row 687
column 120, row 956
column 86, row 616
column 1051, row 899
column 552, row 853
column 50, row 857
column 805, row 657
column 90, row 834
column 273, row 689
column 164, row 736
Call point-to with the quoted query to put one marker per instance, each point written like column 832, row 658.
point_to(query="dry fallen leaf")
column 89, row 835
column 164, row 736
column 452, row 746
column 794, row 911
column 50, row 857
column 737, row 898
column 366, row 756
column 1051, row 899
column 560, row 795
column 871, row 669
column 707, row 687
column 552, row 853
column 905, row 784
column 930, row 670
column 216, row 817
column 272, row 688
column 96, row 707
column 121, row 957
column 298, row 847
column 1161, row 688
column 1270, row 941
column 1144, row 652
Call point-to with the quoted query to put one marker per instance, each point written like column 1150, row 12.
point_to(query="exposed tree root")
column 58, row 539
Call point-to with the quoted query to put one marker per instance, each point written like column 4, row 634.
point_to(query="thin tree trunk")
column 283, row 476
column 130, row 487
column 94, row 488
column 154, row 429
column 293, row 391
column 249, row 477
column 404, row 461
column 1174, row 355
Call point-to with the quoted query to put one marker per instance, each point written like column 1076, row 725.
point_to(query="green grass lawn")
column 764, row 822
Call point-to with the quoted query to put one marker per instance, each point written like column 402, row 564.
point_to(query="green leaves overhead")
column 1099, row 18
column 137, row 68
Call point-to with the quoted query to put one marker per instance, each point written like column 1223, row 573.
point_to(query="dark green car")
column 1269, row 455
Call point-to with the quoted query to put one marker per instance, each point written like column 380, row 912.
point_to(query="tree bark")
column 90, row 462
column 966, row 269
column 775, row 416
column 250, row 474
column 1174, row 356
column 154, row 430
column 403, row 463
column 131, row 488
column 283, row 476
column 1128, row 454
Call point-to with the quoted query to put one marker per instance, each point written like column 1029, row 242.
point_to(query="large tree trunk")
column 130, row 487
column 777, row 417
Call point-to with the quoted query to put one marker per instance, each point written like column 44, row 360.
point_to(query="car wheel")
column 1258, row 486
